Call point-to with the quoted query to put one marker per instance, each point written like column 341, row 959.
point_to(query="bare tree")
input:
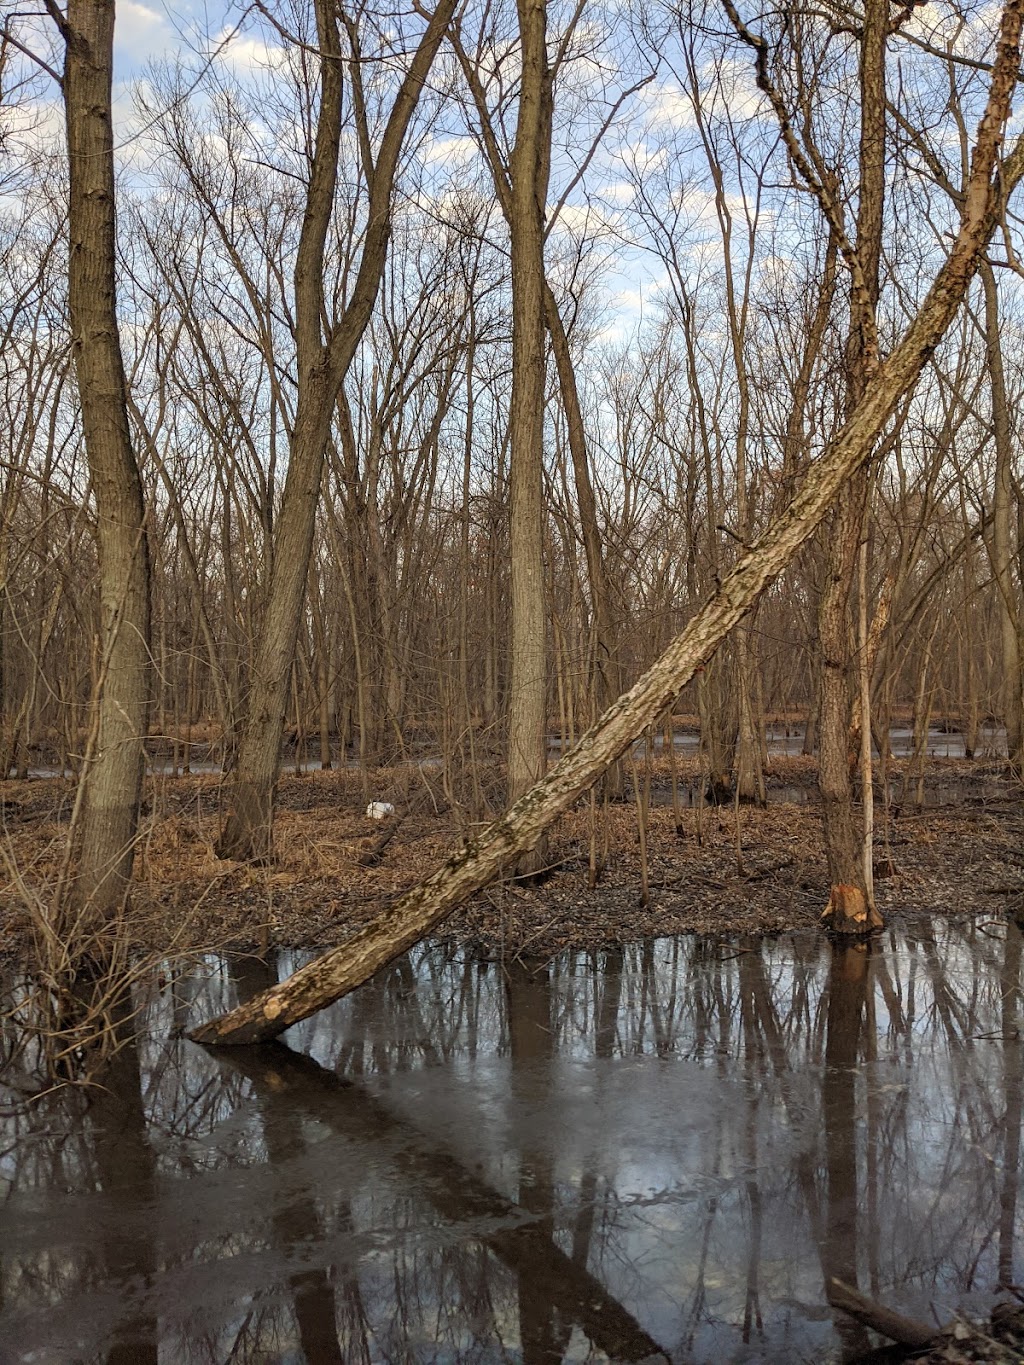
column 322, row 366
column 607, row 670
column 111, row 780
column 529, row 169
column 414, row 914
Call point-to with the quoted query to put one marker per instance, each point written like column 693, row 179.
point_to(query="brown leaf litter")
column 713, row 870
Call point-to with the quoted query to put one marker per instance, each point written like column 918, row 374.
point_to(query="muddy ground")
column 719, row 870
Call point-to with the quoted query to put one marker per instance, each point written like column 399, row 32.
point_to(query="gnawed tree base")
column 415, row 914
column 848, row 912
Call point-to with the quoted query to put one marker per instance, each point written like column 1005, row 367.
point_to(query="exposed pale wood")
column 849, row 911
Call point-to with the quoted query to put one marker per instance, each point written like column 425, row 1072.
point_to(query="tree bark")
column 322, row 367
column 843, row 840
column 112, row 775
column 1000, row 545
column 528, row 177
column 607, row 679
column 413, row 915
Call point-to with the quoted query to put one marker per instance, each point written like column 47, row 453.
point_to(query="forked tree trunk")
column 413, row 915
column 112, row 775
column 322, row 367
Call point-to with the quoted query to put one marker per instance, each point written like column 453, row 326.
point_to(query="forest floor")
column 717, row 870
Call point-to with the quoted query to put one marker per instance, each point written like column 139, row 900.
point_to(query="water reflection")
column 664, row 1151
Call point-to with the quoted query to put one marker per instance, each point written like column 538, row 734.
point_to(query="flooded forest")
column 511, row 682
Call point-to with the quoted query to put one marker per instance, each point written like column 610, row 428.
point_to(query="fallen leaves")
column 724, row 871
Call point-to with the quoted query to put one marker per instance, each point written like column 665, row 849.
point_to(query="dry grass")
column 727, row 871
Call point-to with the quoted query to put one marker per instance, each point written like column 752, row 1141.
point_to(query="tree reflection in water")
column 666, row 1148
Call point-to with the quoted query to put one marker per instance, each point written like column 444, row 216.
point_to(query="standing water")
column 653, row 1153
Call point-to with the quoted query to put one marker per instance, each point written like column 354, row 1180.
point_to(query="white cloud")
column 250, row 53
column 30, row 128
column 632, row 291
column 640, row 157
column 732, row 82
column 140, row 33
column 967, row 35
column 585, row 220
column 449, row 151
column 670, row 105
column 619, row 192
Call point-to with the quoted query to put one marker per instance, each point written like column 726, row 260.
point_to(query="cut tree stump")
column 848, row 912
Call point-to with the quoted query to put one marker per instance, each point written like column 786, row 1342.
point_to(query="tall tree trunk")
column 112, row 776
column 322, row 367
column 851, row 907
column 323, row 981
column 527, row 722
column 1000, row 544
column 607, row 679
column 842, row 535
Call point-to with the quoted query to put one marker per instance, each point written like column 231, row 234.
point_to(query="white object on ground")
column 379, row 810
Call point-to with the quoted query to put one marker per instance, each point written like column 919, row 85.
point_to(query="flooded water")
column 779, row 739
column 657, row 1153
column 934, row 792
column 941, row 741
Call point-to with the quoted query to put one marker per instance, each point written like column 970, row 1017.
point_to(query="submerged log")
column 880, row 1319
column 517, row 832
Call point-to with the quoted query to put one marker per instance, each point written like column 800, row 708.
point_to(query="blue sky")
column 145, row 31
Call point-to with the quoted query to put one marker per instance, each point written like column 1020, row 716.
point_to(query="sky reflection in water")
column 665, row 1148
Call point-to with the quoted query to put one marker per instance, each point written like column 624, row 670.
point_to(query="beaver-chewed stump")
column 848, row 912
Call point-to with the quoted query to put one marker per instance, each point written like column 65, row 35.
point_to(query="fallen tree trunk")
column 372, row 854
column 907, row 1331
column 331, row 976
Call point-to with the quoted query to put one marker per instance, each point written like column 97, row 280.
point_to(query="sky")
column 148, row 31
